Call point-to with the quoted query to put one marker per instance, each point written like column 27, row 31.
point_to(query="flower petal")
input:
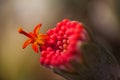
column 44, row 36
column 26, row 43
column 35, row 47
column 36, row 29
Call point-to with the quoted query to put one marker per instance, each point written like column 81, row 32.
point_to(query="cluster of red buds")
column 61, row 46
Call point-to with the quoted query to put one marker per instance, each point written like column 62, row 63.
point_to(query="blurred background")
column 100, row 16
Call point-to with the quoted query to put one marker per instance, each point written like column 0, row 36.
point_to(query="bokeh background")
column 102, row 17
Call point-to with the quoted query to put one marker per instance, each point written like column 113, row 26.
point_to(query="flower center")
column 38, row 38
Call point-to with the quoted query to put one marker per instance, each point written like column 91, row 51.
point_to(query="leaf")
column 102, row 64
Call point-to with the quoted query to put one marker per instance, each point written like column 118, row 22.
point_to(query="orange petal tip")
column 36, row 29
column 20, row 30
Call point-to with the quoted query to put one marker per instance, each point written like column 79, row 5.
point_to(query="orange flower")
column 34, row 38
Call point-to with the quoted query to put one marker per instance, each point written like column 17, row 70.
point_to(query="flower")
column 62, row 45
column 59, row 45
column 72, row 53
column 34, row 38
